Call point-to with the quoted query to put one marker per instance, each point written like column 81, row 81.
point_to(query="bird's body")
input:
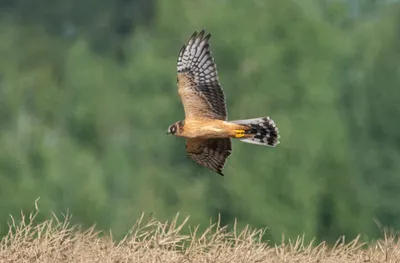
column 206, row 128
column 210, row 128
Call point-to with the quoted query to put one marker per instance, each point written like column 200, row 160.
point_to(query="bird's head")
column 175, row 128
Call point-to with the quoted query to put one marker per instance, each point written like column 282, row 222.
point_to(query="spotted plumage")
column 205, row 127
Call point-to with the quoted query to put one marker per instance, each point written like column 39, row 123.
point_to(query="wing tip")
column 206, row 37
column 196, row 38
column 200, row 35
column 193, row 35
column 182, row 50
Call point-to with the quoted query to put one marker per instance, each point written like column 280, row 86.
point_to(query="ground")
column 153, row 241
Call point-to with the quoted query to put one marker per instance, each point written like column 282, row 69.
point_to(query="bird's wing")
column 198, row 85
column 210, row 153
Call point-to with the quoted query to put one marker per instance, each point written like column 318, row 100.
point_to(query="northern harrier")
column 205, row 126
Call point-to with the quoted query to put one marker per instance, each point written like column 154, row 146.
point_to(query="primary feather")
column 198, row 78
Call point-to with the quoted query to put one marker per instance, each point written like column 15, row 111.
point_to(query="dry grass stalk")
column 153, row 241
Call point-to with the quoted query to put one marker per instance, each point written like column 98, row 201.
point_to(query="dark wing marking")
column 210, row 153
column 198, row 84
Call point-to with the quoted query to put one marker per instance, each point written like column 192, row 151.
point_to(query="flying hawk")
column 205, row 126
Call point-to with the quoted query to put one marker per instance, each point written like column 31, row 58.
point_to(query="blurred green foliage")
column 88, row 89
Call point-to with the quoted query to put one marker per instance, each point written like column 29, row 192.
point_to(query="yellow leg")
column 239, row 133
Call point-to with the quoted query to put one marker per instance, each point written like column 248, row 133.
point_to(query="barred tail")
column 263, row 129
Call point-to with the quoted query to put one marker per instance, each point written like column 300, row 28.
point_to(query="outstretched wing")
column 198, row 85
column 210, row 153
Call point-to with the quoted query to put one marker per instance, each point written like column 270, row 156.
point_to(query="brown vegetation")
column 152, row 241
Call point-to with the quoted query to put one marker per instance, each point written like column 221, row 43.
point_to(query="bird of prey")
column 207, row 131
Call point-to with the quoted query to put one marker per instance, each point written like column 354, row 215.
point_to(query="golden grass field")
column 153, row 241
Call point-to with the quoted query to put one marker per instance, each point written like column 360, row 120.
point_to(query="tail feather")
column 263, row 131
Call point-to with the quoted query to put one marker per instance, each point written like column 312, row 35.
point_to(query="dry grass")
column 152, row 241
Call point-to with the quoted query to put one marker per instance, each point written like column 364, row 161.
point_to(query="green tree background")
column 88, row 89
